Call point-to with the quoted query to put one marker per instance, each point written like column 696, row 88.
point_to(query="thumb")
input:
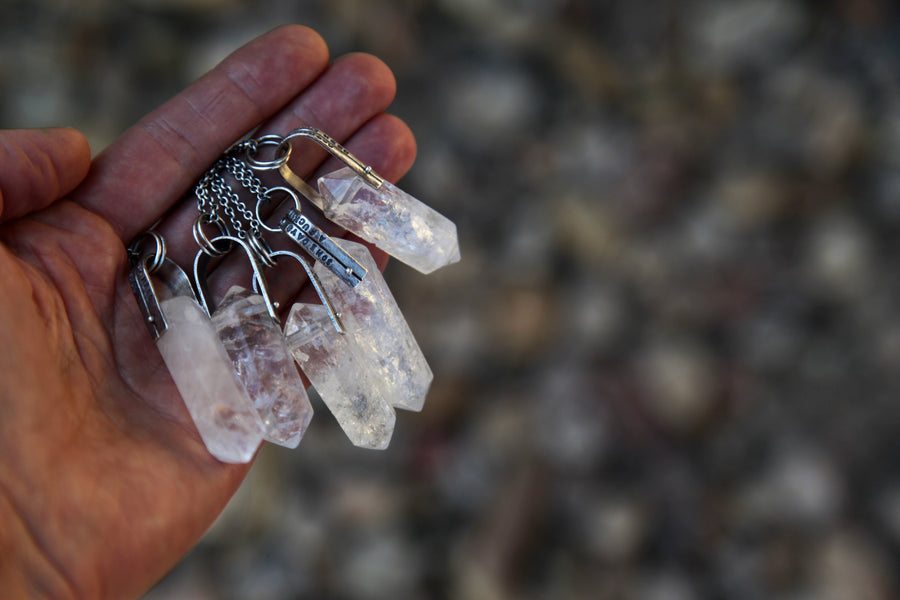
column 39, row 166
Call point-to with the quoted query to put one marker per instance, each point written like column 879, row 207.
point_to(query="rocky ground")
column 667, row 366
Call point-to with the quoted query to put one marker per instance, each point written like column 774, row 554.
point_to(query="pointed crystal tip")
column 388, row 217
column 342, row 375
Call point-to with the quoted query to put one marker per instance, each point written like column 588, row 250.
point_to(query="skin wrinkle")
column 55, row 262
column 178, row 146
column 81, row 341
column 208, row 111
column 60, row 450
column 46, row 165
column 241, row 82
column 32, row 538
column 73, row 240
column 49, row 171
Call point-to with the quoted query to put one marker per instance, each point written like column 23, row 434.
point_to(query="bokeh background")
column 668, row 365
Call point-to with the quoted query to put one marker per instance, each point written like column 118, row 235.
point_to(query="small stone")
column 726, row 36
column 679, row 382
column 345, row 381
column 215, row 398
column 376, row 325
column 256, row 346
column 388, row 217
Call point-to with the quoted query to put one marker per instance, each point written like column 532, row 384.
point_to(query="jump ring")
column 268, row 196
column 261, row 249
column 201, row 238
column 136, row 252
column 283, row 148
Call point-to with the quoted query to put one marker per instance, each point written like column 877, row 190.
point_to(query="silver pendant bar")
column 321, row 247
column 147, row 300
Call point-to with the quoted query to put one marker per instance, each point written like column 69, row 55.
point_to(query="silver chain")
column 214, row 194
column 242, row 173
column 220, row 204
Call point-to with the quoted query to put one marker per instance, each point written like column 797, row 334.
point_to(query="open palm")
column 104, row 482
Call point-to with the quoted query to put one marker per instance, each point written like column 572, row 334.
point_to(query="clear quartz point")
column 388, row 217
column 257, row 349
column 379, row 331
column 347, row 385
column 204, row 375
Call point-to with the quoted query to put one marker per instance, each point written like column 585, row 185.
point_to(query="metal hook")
column 315, row 241
column 201, row 261
column 317, row 285
column 330, row 144
column 342, row 154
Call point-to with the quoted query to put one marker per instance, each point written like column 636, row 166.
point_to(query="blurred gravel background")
column 667, row 367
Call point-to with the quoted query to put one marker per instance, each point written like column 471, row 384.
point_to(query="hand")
column 104, row 482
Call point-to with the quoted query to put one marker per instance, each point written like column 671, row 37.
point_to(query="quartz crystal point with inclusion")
column 391, row 219
column 377, row 327
column 215, row 398
column 256, row 346
column 345, row 381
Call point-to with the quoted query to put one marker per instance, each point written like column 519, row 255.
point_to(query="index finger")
column 139, row 177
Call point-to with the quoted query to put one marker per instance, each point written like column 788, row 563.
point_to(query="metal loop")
column 136, row 251
column 259, row 246
column 206, row 245
column 335, row 149
column 282, row 146
column 201, row 261
column 333, row 314
column 268, row 197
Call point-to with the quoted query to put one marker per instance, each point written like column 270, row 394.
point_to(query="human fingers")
column 356, row 88
column 353, row 91
column 139, row 177
column 39, row 166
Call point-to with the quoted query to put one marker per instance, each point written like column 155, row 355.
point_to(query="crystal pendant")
column 345, row 380
column 203, row 373
column 257, row 349
column 377, row 327
column 388, row 217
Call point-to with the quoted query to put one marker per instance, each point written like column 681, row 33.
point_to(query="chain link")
column 214, row 194
column 242, row 173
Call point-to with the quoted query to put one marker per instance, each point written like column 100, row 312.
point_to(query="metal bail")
column 170, row 280
column 201, row 262
column 321, row 247
column 143, row 290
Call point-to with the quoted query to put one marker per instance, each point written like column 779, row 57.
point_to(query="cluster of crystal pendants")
column 234, row 364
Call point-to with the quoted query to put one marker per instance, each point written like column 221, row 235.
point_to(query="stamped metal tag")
column 321, row 247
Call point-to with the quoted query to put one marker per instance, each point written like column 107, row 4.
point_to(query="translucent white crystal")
column 388, row 217
column 216, row 400
column 253, row 340
column 345, row 381
column 374, row 321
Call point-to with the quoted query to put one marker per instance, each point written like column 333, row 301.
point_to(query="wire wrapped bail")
column 335, row 149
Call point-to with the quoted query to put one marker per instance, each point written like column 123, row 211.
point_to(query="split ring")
column 283, row 150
